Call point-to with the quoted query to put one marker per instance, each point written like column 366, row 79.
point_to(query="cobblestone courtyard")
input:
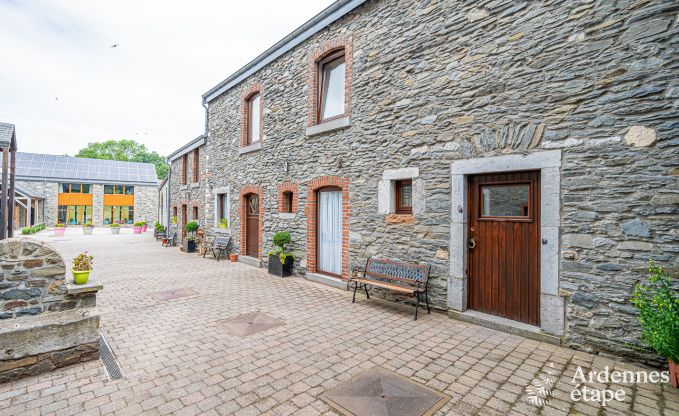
column 178, row 357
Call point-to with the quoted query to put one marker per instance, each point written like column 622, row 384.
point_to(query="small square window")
column 286, row 206
column 195, row 213
column 404, row 196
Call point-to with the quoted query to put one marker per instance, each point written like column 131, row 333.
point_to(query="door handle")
column 471, row 243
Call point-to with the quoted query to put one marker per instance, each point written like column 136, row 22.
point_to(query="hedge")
column 34, row 229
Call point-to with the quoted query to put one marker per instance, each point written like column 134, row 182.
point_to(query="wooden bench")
column 159, row 235
column 399, row 277
column 170, row 240
column 219, row 245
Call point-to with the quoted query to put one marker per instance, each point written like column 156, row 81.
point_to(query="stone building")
column 74, row 191
column 391, row 128
column 185, row 199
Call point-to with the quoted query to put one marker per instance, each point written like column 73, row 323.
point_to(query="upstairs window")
column 195, row 213
column 404, row 196
column 75, row 188
column 196, row 165
column 253, row 118
column 331, row 79
column 118, row 190
column 185, row 168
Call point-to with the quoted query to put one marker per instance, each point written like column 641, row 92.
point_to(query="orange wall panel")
column 118, row 200
column 75, row 199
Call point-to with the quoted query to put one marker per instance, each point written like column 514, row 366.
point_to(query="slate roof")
column 54, row 168
column 6, row 133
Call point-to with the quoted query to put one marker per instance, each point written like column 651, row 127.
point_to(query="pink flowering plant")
column 83, row 262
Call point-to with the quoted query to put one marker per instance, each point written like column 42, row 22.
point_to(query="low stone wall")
column 46, row 321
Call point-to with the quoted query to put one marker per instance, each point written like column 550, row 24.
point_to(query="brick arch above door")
column 242, row 212
column 312, row 218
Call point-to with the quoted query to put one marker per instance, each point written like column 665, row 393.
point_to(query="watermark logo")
column 541, row 388
column 585, row 393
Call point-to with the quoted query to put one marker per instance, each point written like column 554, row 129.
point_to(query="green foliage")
column 280, row 240
column 658, row 305
column 126, row 150
column 159, row 227
column 60, row 225
column 223, row 223
column 83, row 262
column 34, row 229
column 191, row 227
column 88, row 225
column 139, row 224
column 115, row 225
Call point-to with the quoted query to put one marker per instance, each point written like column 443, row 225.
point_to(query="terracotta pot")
column 674, row 373
column 233, row 257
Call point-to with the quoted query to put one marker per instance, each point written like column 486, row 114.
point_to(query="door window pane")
column 505, row 200
column 253, row 119
column 332, row 93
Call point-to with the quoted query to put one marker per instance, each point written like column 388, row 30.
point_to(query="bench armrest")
column 357, row 270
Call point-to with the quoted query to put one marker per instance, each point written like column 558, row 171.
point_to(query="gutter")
column 317, row 23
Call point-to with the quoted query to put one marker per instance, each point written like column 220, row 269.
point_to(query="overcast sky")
column 63, row 85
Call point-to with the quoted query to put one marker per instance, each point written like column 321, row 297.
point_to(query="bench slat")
column 395, row 288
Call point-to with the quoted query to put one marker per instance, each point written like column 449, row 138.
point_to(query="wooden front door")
column 329, row 231
column 503, row 245
column 252, row 225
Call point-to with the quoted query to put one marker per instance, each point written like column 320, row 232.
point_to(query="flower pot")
column 278, row 269
column 144, row 228
column 88, row 230
column 115, row 230
column 80, row 277
column 137, row 230
column 674, row 373
column 189, row 246
column 233, row 257
column 59, row 232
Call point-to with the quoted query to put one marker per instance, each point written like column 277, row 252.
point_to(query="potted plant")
column 137, row 227
column 144, row 226
column 115, row 228
column 87, row 228
column 59, row 230
column 223, row 223
column 190, row 240
column 280, row 261
column 658, row 305
column 233, row 257
column 82, row 266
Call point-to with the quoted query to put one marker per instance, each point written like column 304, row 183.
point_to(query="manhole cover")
column 380, row 392
column 173, row 294
column 250, row 323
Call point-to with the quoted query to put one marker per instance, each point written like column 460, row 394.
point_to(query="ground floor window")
column 118, row 215
column 74, row 214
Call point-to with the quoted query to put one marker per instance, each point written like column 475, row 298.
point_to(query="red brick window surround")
column 312, row 218
column 287, row 198
column 242, row 213
column 185, row 169
column 248, row 96
column 328, row 51
column 196, row 165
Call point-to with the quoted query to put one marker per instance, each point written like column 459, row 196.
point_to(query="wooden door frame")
column 329, row 188
column 475, row 198
column 242, row 214
column 548, row 162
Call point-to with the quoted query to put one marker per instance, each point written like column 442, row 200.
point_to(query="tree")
column 125, row 150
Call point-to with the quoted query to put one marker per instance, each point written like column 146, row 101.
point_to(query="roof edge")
column 197, row 142
column 317, row 23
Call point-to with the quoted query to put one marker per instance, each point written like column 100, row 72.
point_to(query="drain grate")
column 110, row 363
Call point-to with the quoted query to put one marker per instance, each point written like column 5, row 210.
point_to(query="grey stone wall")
column 443, row 81
column 192, row 194
column 146, row 204
column 98, row 204
column 48, row 208
column 46, row 321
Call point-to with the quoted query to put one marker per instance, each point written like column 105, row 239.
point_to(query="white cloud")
column 63, row 85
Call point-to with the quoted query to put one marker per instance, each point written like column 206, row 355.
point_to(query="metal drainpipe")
column 168, row 199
